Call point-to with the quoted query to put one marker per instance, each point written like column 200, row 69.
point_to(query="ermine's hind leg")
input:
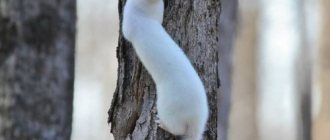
column 194, row 132
column 161, row 125
column 174, row 128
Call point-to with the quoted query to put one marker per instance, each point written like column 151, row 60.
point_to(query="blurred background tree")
column 322, row 121
column 243, row 121
column 37, row 41
column 228, row 24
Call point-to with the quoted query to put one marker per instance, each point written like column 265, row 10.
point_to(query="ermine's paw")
column 160, row 124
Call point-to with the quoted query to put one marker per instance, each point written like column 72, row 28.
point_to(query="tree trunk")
column 195, row 26
column 302, row 76
column 243, row 123
column 322, row 122
column 36, row 69
column 227, row 32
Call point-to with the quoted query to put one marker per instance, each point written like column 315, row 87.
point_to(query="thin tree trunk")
column 194, row 25
column 322, row 122
column 243, row 123
column 36, row 69
column 228, row 32
column 303, row 75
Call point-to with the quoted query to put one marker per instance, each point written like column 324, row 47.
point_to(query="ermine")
column 181, row 99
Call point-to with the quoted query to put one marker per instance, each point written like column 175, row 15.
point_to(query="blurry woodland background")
column 280, row 66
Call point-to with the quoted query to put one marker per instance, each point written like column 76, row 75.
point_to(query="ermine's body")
column 181, row 99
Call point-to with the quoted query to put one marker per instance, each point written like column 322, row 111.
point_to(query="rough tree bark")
column 36, row 69
column 321, row 125
column 195, row 26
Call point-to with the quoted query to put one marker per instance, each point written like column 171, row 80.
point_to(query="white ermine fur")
column 181, row 98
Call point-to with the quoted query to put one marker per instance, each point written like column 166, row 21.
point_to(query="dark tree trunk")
column 36, row 69
column 195, row 26
column 303, row 73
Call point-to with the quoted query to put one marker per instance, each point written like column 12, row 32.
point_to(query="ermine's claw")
column 157, row 122
column 160, row 124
